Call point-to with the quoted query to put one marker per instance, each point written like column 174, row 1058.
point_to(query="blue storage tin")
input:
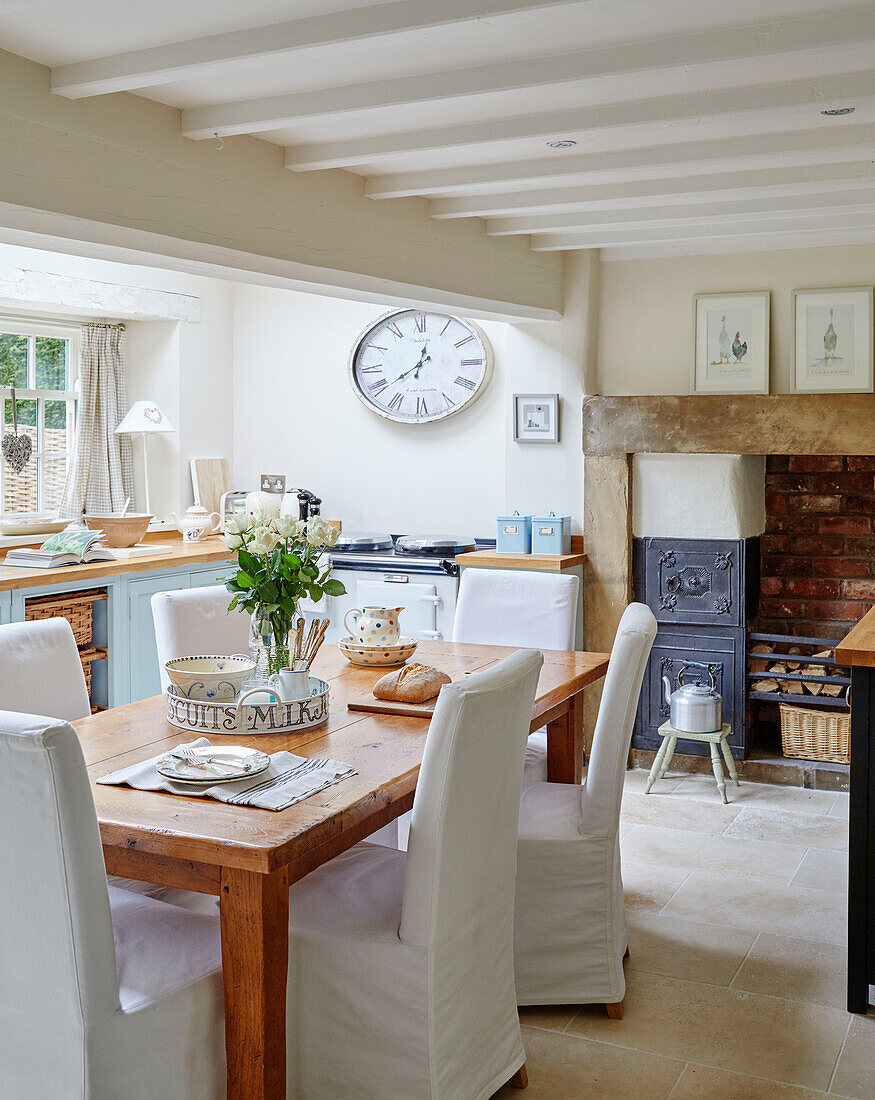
column 551, row 534
column 514, row 534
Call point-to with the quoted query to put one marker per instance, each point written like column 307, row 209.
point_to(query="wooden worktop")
column 858, row 647
column 553, row 563
column 182, row 553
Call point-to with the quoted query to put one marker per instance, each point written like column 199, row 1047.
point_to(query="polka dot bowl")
column 377, row 655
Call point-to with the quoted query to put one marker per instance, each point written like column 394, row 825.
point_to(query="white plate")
column 180, row 771
column 33, row 526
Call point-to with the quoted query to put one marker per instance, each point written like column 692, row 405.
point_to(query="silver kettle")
column 694, row 708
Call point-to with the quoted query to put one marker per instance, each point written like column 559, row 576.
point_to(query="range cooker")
column 418, row 573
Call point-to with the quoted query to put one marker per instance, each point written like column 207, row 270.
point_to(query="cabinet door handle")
column 436, row 600
column 435, row 635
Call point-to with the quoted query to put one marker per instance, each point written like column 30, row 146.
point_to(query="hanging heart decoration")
column 153, row 414
column 16, row 448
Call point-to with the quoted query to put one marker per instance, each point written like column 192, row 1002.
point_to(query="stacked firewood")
column 805, row 666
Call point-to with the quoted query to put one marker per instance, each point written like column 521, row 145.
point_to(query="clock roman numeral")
column 451, row 404
column 378, row 387
column 372, row 369
column 419, row 321
column 464, row 340
column 395, row 403
column 465, row 382
column 446, row 326
column 376, row 347
column 396, row 332
column 472, row 363
column 421, row 407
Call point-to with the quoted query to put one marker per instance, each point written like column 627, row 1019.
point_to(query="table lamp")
column 142, row 418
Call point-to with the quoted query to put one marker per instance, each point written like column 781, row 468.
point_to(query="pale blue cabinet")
column 144, row 674
column 5, row 607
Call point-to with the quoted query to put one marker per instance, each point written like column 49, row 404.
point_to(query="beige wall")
column 645, row 322
column 119, row 164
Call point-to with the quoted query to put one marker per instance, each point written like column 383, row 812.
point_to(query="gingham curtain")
column 101, row 474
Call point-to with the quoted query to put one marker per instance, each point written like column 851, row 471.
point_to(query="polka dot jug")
column 376, row 626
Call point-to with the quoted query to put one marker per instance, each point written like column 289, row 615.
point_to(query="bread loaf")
column 411, row 684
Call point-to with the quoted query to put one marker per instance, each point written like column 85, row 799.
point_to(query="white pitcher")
column 374, row 625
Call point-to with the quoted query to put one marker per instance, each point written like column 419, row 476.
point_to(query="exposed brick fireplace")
column 818, row 550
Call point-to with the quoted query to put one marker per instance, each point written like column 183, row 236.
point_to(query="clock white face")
column 414, row 367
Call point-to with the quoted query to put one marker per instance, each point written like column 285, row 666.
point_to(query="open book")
column 76, row 547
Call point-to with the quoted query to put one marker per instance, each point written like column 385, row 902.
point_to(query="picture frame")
column 833, row 340
column 536, row 417
column 730, row 343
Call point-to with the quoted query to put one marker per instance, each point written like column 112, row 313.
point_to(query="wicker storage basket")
column 815, row 735
column 75, row 607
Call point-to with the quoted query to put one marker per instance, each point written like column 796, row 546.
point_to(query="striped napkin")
column 288, row 780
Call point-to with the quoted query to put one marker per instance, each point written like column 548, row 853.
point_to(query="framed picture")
column 731, row 343
column 536, row 417
column 832, row 340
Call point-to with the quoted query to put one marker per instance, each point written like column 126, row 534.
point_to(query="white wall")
column 185, row 368
column 646, row 309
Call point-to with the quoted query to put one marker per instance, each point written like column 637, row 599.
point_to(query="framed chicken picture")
column 832, row 340
column 731, row 343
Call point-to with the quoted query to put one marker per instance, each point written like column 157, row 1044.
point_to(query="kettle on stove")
column 694, row 708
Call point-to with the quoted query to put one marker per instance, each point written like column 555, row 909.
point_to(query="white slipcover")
column 519, row 608
column 570, row 923
column 401, row 964
column 103, row 994
column 40, row 670
column 196, row 621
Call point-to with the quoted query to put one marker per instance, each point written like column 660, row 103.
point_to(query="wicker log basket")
column 815, row 735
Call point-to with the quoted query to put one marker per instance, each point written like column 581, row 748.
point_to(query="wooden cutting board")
column 389, row 706
column 210, row 477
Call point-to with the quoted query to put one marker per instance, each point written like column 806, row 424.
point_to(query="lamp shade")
column 144, row 416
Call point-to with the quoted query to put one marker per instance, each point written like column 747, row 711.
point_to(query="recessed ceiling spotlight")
column 564, row 143
column 836, row 112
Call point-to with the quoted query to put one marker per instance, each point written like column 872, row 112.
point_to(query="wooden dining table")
column 250, row 857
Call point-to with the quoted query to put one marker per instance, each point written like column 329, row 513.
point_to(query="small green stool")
column 666, row 751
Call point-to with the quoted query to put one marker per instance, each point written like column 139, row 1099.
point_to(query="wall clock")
column 414, row 367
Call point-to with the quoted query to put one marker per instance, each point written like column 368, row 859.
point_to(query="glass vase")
column 267, row 648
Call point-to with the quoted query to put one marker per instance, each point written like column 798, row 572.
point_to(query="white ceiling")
column 697, row 123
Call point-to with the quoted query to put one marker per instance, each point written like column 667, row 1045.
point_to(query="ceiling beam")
column 778, row 100
column 833, row 143
column 722, row 185
column 774, row 209
column 836, row 220
column 724, row 46
column 135, row 69
column 659, row 250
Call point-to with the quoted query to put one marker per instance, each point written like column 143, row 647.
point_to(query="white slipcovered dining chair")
column 570, row 933
column 104, row 993
column 40, row 670
column 519, row 608
column 401, row 964
column 195, row 621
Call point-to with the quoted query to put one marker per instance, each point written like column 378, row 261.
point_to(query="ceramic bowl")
column 377, row 655
column 120, row 530
column 209, row 679
column 32, row 525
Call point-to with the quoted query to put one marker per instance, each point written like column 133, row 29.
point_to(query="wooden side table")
column 666, row 751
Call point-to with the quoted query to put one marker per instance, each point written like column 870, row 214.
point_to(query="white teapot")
column 196, row 523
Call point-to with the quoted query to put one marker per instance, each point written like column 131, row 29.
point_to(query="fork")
column 193, row 756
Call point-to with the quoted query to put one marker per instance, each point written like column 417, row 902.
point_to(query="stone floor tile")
column 705, row 1083
column 762, row 906
column 790, row 827
column 549, row 1017
column 855, row 1072
column 679, row 848
column 842, row 806
column 678, row 813
column 626, row 827
column 636, row 781
column 571, row 1068
column 648, row 888
column 686, row 949
column 823, row 871
column 801, row 970
column 786, row 1041
column 766, row 795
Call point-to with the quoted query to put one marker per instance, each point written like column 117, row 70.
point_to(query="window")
column 38, row 360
